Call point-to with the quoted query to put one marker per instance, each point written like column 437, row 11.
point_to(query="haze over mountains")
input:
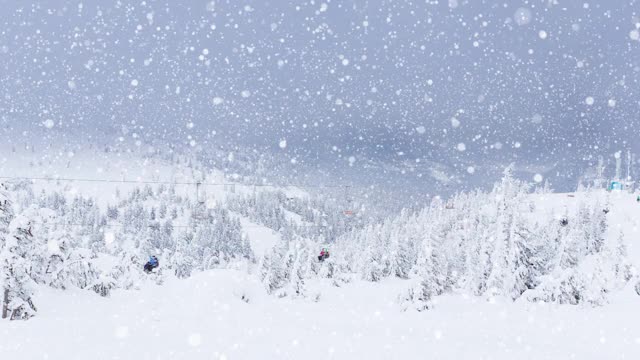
column 424, row 97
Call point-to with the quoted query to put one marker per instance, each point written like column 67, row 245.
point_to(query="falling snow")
column 589, row 100
column 522, row 16
column 170, row 128
column 49, row 124
column 195, row 339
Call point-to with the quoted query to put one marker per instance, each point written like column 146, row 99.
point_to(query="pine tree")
column 403, row 259
column 509, row 263
column 275, row 271
column 424, row 284
column 15, row 262
column 55, row 270
column 6, row 216
column 299, row 269
column 374, row 267
column 6, row 213
column 182, row 261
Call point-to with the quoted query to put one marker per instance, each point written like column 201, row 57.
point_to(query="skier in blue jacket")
column 151, row 264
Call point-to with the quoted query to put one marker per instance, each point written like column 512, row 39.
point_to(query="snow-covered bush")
column 128, row 273
column 103, row 285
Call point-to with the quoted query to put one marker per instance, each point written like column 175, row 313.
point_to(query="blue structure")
column 615, row 185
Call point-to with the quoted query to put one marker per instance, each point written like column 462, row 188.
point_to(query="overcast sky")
column 465, row 84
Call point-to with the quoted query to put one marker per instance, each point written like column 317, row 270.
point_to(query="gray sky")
column 407, row 86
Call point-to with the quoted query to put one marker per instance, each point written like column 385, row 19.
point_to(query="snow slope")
column 261, row 237
column 204, row 317
column 226, row 314
column 623, row 217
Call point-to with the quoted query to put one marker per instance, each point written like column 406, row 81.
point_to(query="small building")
column 615, row 185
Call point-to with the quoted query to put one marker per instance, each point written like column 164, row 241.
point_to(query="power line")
column 174, row 226
column 158, row 182
column 94, row 180
column 48, row 179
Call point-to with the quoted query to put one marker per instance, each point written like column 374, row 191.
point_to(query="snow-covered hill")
column 226, row 314
column 496, row 272
column 205, row 317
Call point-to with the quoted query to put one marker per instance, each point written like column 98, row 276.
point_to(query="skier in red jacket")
column 324, row 254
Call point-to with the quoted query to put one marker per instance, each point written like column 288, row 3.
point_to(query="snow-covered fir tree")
column 16, row 266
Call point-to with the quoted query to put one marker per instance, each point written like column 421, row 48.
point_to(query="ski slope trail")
column 625, row 219
column 206, row 317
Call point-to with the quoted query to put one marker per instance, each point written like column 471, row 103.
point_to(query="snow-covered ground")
column 205, row 317
column 262, row 238
column 226, row 314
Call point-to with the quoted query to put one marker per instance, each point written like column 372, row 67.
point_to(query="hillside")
column 205, row 317
column 284, row 304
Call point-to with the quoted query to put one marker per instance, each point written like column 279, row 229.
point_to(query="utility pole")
column 633, row 159
column 600, row 172
column 618, row 156
column 628, row 165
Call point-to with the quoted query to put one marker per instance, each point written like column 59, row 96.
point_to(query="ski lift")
column 199, row 198
column 349, row 201
column 200, row 211
column 324, row 254
column 347, row 194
